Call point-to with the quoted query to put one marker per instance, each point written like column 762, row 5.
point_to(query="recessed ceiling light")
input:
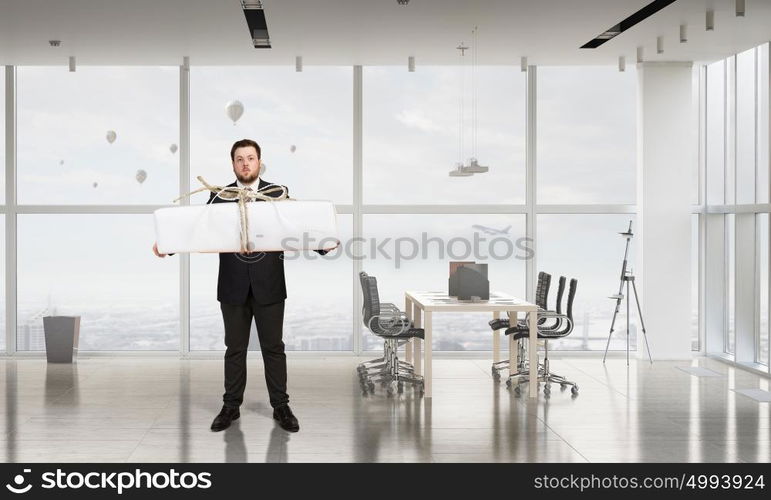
column 627, row 23
column 710, row 22
column 739, row 8
column 255, row 20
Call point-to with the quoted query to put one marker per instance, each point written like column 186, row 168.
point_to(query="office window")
column 2, row 137
column 412, row 135
column 2, row 280
column 318, row 315
column 101, row 268
column 763, row 296
column 716, row 133
column 588, row 248
column 413, row 252
column 303, row 123
column 586, row 131
column 745, row 126
column 65, row 124
column 730, row 338
column 763, row 118
column 730, row 138
column 695, row 282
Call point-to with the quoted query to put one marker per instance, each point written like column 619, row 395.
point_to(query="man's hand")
column 156, row 252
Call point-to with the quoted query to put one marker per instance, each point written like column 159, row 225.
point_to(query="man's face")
column 246, row 165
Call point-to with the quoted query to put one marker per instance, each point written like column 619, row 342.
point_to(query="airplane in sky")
column 491, row 230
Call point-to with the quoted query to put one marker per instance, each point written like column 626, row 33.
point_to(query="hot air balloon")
column 263, row 168
column 61, row 162
column 173, row 148
column 234, row 110
column 95, row 184
column 292, row 148
column 111, row 136
column 141, row 176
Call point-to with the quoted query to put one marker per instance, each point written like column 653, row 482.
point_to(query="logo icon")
column 19, row 481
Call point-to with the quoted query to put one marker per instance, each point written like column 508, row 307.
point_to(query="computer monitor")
column 467, row 280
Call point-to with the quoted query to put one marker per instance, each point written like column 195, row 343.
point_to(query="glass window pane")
column 716, row 133
column 412, row 135
column 2, row 136
column 588, row 248
column 730, row 109
column 318, row 315
column 586, row 131
column 745, row 127
column 763, row 105
column 763, row 276
column 101, row 268
column 73, row 114
column 413, row 252
column 2, row 281
column 731, row 272
column 695, row 282
column 303, row 123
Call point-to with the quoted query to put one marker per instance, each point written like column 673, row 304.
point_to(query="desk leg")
column 496, row 340
column 417, row 321
column 427, row 355
column 408, row 345
column 513, row 361
column 533, row 354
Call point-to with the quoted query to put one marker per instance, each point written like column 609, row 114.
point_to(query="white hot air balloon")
column 95, row 184
column 173, row 148
column 292, row 148
column 61, row 162
column 263, row 168
column 141, row 176
column 111, row 136
column 234, row 110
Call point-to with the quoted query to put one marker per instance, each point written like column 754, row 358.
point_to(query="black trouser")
column 269, row 320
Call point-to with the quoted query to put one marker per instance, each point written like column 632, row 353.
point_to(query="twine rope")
column 243, row 195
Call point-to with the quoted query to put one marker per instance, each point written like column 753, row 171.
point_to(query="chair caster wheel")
column 371, row 387
column 517, row 391
column 508, row 384
column 574, row 390
column 400, row 388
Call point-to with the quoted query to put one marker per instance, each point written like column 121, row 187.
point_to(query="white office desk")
column 420, row 306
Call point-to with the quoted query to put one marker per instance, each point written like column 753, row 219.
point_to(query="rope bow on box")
column 242, row 195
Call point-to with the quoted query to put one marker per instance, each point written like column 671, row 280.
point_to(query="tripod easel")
column 627, row 277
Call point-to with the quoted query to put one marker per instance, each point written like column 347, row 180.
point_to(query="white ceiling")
column 367, row 32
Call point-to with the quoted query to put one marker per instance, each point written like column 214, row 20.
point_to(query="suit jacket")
column 264, row 274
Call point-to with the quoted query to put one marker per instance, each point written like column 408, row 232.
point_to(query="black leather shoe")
column 223, row 420
column 286, row 418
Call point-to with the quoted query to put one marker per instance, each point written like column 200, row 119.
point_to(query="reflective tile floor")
column 159, row 410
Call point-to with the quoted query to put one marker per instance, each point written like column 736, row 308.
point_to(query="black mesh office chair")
column 556, row 325
column 392, row 325
column 541, row 300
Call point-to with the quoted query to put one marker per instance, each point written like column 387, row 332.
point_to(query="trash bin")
column 61, row 334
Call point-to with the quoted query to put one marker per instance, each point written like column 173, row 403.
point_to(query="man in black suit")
column 252, row 285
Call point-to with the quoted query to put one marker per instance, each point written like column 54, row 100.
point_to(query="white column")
column 666, row 149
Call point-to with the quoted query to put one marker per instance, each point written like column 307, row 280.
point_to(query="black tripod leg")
column 642, row 323
column 612, row 324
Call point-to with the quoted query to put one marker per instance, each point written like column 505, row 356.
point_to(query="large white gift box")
column 272, row 226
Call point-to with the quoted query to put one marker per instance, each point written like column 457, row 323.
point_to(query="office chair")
column 555, row 326
column 392, row 325
column 377, row 363
column 541, row 300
